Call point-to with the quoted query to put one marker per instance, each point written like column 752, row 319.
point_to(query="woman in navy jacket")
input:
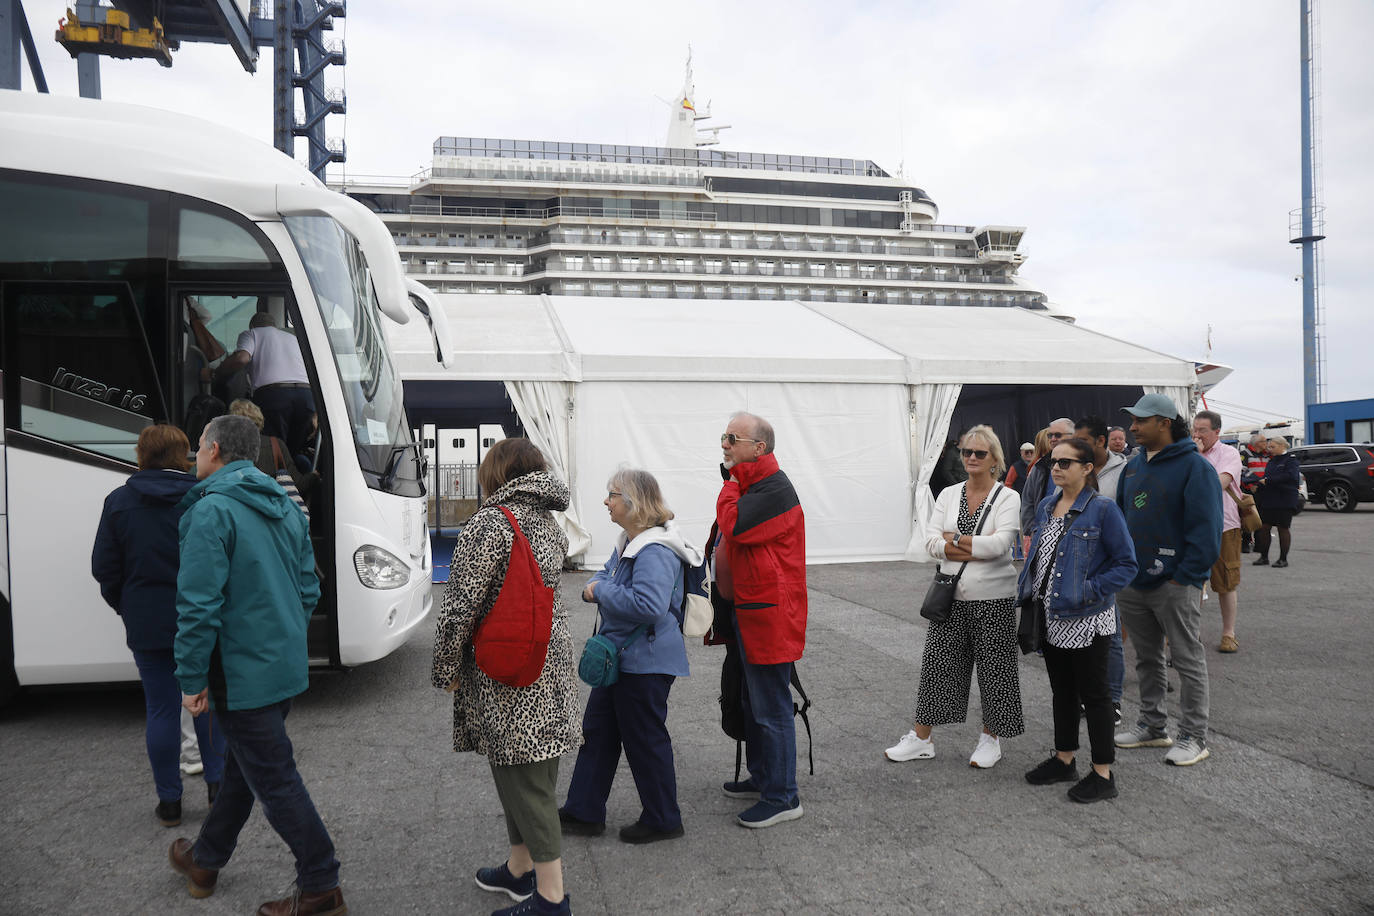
column 135, row 560
column 1080, row 555
column 639, row 594
column 1277, row 498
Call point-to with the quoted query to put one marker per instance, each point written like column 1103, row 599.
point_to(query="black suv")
column 1341, row 474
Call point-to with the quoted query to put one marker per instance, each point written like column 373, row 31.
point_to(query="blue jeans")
column 260, row 766
column 1116, row 663
column 286, row 414
column 770, row 731
column 162, row 695
column 631, row 713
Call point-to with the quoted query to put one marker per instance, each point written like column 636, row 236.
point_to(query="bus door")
column 214, row 317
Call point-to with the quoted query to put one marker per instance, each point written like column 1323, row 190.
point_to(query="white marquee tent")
column 860, row 396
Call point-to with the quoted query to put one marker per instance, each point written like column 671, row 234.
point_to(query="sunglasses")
column 1063, row 463
column 732, row 438
column 979, row 453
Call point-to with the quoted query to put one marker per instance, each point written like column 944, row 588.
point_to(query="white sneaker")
column 987, row 753
column 911, row 747
column 193, row 768
column 1187, row 751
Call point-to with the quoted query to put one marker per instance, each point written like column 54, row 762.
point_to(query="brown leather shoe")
column 323, row 903
column 199, row 881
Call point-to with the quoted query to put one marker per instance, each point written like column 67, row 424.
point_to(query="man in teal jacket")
column 245, row 592
column 1171, row 498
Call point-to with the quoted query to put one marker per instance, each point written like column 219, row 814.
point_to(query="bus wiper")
column 389, row 472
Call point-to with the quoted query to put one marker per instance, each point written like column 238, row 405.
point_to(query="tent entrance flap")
column 546, row 410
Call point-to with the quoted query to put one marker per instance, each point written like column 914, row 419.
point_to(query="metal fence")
column 454, row 496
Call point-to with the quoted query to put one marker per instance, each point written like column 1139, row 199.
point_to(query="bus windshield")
column 343, row 290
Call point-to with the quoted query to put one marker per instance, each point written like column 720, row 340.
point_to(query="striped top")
column 1073, row 632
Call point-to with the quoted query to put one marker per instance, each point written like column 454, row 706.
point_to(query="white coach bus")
column 117, row 223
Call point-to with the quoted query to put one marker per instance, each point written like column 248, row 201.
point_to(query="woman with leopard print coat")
column 522, row 731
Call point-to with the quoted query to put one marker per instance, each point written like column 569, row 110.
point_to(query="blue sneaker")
column 537, row 906
column 765, row 815
column 745, row 788
column 500, row 879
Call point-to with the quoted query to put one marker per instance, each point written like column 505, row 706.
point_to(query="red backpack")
column 513, row 639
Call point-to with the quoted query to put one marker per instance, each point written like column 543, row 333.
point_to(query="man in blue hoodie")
column 245, row 592
column 1171, row 498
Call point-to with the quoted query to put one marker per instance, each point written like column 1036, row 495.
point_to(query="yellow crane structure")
column 113, row 37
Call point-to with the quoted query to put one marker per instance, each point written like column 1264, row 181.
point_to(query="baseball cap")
column 1153, row 405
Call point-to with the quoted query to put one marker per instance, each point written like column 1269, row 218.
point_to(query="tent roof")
column 509, row 338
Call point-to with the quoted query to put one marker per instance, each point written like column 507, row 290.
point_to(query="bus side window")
column 79, row 356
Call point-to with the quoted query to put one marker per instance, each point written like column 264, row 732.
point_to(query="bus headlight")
column 378, row 568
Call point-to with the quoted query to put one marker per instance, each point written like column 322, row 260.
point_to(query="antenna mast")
column 1307, row 225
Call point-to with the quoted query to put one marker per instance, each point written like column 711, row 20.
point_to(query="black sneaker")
column 1051, row 771
column 576, row 827
column 1262, row 561
column 1280, row 563
column 1093, row 788
column 745, row 788
column 1116, row 711
column 169, row 813
column 500, row 880
column 639, row 832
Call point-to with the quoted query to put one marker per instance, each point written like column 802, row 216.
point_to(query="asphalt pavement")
column 1279, row 820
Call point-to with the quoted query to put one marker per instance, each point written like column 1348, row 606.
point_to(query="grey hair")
column 643, row 499
column 1066, row 421
column 238, row 437
column 761, row 428
column 262, row 320
column 1211, row 416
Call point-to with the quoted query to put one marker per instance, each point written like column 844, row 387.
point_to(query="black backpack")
column 732, row 705
column 202, row 409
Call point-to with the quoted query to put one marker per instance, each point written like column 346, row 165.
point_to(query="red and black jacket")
column 764, row 536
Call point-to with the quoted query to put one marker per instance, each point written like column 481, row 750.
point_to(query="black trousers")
column 1080, row 676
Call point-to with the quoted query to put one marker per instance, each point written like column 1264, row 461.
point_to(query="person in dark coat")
column 1278, row 498
column 135, row 559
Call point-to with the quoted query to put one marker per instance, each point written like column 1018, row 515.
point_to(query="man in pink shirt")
column 1226, row 570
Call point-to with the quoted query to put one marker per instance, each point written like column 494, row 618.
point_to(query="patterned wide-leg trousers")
column 981, row 635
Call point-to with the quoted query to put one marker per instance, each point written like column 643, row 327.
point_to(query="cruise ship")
column 687, row 220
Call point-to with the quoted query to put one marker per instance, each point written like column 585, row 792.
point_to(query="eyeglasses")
column 979, row 453
column 1063, row 463
column 732, row 438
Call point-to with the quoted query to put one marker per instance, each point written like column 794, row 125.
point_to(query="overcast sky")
column 1151, row 149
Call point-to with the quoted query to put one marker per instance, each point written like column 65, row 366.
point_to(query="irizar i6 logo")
column 1141, row 499
column 89, row 387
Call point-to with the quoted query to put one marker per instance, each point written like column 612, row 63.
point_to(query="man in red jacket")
column 762, row 558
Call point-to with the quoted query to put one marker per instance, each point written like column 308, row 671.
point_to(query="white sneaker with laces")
column 911, row 747
column 1187, row 751
column 987, row 753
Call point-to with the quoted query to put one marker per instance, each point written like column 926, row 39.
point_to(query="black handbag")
column 939, row 600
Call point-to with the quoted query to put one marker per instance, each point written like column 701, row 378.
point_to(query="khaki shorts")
column 527, row 791
column 1226, row 570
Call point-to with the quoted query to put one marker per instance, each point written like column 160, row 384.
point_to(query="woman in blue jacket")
column 1277, row 498
column 1080, row 555
column 135, row 560
column 639, row 595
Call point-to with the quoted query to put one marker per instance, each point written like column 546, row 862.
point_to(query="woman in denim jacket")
column 1080, row 555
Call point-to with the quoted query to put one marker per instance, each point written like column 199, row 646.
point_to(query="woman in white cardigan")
column 981, row 629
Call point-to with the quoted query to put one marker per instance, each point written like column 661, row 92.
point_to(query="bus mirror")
column 423, row 300
column 378, row 246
